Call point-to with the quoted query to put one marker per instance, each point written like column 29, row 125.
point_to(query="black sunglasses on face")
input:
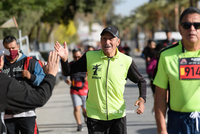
column 75, row 57
column 187, row 25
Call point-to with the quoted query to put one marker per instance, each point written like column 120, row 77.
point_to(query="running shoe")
column 79, row 128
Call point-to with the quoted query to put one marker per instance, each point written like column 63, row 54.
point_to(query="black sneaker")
column 80, row 128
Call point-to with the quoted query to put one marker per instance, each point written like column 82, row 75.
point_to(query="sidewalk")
column 56, row 117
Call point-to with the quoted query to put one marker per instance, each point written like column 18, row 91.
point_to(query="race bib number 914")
column 189, row 68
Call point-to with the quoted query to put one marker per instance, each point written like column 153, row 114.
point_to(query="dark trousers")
column 115, row 126
column 182, row 123
column 25, row 125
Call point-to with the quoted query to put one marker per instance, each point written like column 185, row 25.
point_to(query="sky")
column 124, row 8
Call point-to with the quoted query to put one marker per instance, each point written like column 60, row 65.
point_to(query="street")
column 56, row 117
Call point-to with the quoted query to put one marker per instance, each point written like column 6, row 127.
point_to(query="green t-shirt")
column 184, row 93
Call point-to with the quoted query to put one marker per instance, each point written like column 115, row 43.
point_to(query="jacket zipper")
column 107, row 88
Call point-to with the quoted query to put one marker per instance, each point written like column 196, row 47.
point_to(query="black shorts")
column 115, row 126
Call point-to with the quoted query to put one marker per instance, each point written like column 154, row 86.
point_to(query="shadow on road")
column 65, row 125
column 147, row 131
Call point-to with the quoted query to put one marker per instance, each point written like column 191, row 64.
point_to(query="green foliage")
column 26, row 12
column 65, row 33
column 30, row 14
column 158, row 14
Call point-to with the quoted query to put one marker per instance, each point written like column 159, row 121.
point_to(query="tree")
column 27, row 13
column 37, row 18
column 154, row 16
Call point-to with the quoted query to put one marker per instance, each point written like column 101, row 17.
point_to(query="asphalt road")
column 56, row 117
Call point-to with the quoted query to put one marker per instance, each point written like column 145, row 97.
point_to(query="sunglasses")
column 75, row 57
column 187, row 25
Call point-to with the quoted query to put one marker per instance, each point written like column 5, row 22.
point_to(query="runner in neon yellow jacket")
column 106, row 81
column 108, row 70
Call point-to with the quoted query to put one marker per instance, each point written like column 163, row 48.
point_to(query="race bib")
column 189, row 68
column 78, row 84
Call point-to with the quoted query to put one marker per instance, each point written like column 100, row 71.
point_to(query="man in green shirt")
column 178, row 70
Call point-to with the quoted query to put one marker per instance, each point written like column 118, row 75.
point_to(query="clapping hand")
column 62, row 51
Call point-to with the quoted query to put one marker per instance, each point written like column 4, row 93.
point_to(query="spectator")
column 148, row 53
column 169, row 41
column 14, row 67
column 126, row 49
column 90, row 48
column 17, row 97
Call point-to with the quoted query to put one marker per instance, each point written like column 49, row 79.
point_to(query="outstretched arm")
column 22, row 98
column 62, row 51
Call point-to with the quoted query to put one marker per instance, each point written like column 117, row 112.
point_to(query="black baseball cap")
column 111, row 30
column 3, row 51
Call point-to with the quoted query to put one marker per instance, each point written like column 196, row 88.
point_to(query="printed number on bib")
column 189, row 68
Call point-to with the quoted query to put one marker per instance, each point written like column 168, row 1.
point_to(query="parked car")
column 44, row 57
column 36, row 55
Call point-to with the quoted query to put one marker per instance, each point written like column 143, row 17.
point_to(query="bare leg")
column 77, row 114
